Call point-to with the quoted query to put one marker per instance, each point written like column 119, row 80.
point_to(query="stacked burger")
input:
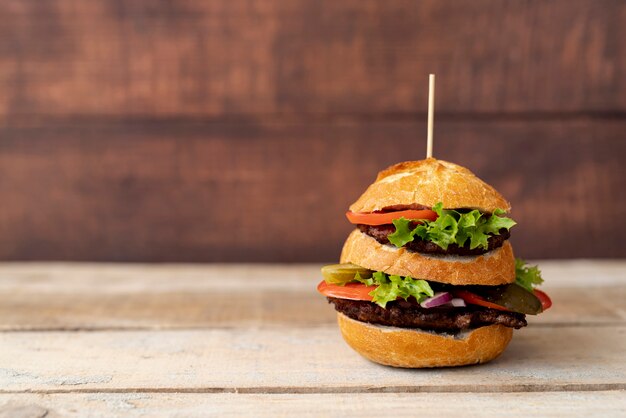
column 428, row 277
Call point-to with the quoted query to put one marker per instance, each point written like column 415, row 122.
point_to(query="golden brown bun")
column 428, row 182
column 492, row 268
column 399, row 347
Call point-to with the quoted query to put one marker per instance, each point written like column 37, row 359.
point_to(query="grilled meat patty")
column 406, row 315
column 380, row 233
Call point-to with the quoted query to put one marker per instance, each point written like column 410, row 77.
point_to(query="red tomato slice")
column 388, row 217
column 353, row 291
column 474, row 299
column 545, row 300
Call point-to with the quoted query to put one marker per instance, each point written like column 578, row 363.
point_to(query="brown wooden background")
column 231, row 130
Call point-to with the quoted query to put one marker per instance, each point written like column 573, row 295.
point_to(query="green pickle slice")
column 512, row 297
column 343, row 273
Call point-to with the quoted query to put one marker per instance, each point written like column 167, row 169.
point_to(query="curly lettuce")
column 392, row 287
column 527, row 276
column 452, row 227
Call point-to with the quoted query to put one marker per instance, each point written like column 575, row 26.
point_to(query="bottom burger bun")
column 492, row 268
column 410, row 348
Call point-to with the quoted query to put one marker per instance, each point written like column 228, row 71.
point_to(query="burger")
column 428, row 277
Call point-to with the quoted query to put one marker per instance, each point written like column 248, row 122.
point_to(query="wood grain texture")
column 277, row 191
column 296, row 360
column 92, row 405
column 69, row 57
column 239, row 367
column 236, row 130
column 133, row 297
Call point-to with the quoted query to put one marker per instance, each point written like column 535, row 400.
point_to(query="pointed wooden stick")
column 431, row 114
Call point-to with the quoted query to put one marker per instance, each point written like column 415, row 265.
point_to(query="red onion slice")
column 438, row 299
column 457, row 303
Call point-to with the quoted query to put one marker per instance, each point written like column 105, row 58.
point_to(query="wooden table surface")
column 196, row 340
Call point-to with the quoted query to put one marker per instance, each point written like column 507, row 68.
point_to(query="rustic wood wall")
column 234, row 130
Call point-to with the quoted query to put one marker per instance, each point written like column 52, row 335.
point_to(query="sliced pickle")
column 344, row 273
column 512, row 297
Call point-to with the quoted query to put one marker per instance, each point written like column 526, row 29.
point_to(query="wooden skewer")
column 431, row 114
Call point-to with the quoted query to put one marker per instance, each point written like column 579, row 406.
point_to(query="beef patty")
column 381, row 232
column 405, row 315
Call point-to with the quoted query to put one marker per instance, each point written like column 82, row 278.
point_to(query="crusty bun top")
column 428, row 182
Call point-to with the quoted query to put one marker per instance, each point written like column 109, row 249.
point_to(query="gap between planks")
column 264, row 327
column 43, row 121
column 275, row 390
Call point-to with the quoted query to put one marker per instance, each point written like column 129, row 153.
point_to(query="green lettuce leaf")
column 391, row 287
column 452, row 227
column 403, row 233
column 527, row 276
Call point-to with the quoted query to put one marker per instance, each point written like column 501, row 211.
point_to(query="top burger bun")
column 428, row 182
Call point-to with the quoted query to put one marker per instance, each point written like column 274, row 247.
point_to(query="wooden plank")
column 54, row 296
column 277, row 191
column 296, row 360
column 72, row 57
column 551, row 404
column 96, row 296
